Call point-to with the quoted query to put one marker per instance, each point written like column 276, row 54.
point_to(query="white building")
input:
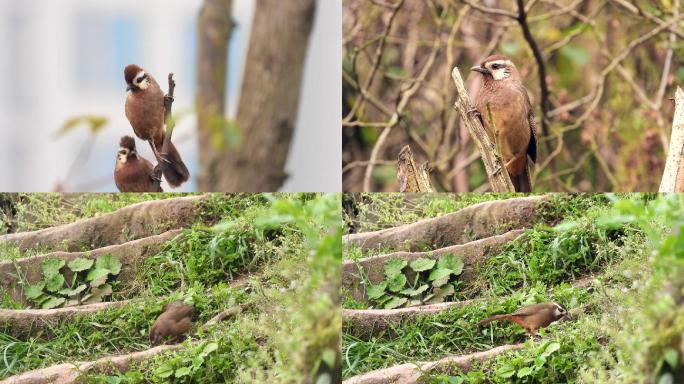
column 65, row 58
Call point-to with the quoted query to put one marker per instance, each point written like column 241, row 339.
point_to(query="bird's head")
column 560, row 313
column 496, row 68
column 126, row 150
column 136, row 78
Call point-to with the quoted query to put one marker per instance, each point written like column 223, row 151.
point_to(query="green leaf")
column 376, row 291
column 506, row 371
column 441, row 293
column 182, row 371
column 73, row 292
column 439, row 273
column 329, row 357
column 422, row 264
column 671, row 356
column 397, row 283
column 80, row 264
column 110, row 263
column 524, row 371
column 53, row 302
column 209, row 348
column 97, row 273
column 97, row 293
column 415, row 292
column 34, row 291
column 51, row 267
column 94, row 124
column 164, row 371
column 551, row 348
column 394, row 267
column 396, row 302
column 450, row 261
column 440, row 282
column 54, row 283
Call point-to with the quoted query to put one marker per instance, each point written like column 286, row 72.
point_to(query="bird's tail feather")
column 493, row 318
column 523, row 182
column 175, row 173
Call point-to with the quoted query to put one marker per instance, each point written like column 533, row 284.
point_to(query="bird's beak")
column 567, row 316
column 480, row 69
column 129, row 88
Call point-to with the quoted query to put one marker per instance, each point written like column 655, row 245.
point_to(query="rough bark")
column 215, row 26
column 673, row 177
column 412, row 179
column 269, row 99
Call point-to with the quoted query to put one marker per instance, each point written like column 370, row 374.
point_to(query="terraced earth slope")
column 224, row 254
column 511, row 252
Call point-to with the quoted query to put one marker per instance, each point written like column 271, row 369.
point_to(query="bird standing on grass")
column 146, row 111
column 532, row 317
column 512, row 117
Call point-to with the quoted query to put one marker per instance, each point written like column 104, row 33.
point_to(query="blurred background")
column 610, row 67
column 64, row 59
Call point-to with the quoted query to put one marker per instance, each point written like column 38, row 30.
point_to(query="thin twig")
column 170, row 124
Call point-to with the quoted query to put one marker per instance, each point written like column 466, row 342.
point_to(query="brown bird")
column 145, row 110
column 532, row 317
column 172, row 323
column 132, row 172
column 512, row 115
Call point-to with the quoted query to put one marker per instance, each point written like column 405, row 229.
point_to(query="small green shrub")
column 423, row 281
column 90, row 282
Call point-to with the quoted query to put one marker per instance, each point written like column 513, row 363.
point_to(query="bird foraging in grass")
column 505, row 111
column 172, row 324
column 532, row 317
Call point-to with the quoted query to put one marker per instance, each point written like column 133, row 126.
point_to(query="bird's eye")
column 496, row 66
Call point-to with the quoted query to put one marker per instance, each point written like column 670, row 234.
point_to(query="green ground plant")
column 422, row 281
column 292, row 246
column 603, row 241
column 78, row 282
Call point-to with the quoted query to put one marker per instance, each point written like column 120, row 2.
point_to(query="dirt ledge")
column 128, row 223
column 410, row 373
column 470, row 223
column 471, row 253
column 364, row 323
column 130, row 254
column 70, row 372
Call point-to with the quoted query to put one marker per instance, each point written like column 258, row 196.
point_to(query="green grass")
column 290, row 330
column 589, row 239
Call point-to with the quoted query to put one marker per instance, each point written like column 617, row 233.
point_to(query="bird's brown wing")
column 532, row 147
column 529, row 310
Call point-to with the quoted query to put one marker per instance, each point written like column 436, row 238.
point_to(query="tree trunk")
column 269, row 98
column 214, row 29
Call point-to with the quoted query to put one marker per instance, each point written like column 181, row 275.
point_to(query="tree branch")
column 496, row 172
column 170, row 125
column 673, row 177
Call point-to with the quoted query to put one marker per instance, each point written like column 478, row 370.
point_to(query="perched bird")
column 145, row 110
column 532, row 317
column 172, row 323
column 132, row 172
column 512, row 115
